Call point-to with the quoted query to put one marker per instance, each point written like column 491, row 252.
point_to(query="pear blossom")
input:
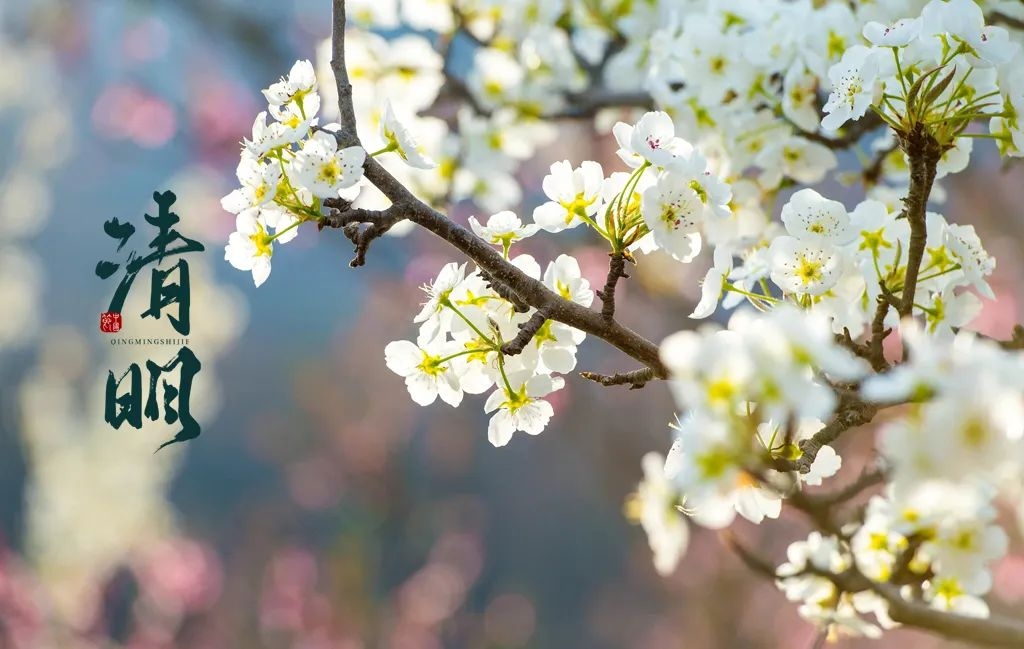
column 428, row 371
column 266, row 137
column 804, row 267
column 898, row 34
column 976, row 264
column 658, row 502
column 434, row 316
column 573, row 194
column 826, row 464
column 398, row 138
column 325, row 170
column 301, row 80
column 711, row 477
column 956, row 595
column 259, row 185
column 496, row 76
column 853, row 80
column 990, row 45
column 523, row 408
column 809, row 216
column 713, row 283
column 673, row 211
column 798, row 158
column 298, row 116
column 250, row 246
column 503, row 229
column 652, row 139
column 563, row 276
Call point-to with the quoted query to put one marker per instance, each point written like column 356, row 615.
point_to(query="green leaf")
column 937, row 89
column 915, row 88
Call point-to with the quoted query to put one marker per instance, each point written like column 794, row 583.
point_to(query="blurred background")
column 321, row 508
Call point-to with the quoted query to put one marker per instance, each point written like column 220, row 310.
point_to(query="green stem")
column 448, row 303
column 757, row 296
column 387, row 149
column 456, row 355
column 899, row 72
column 504, row 377
column 939, row 274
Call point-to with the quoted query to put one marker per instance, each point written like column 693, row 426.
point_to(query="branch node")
column 616, row 269
column 527, row 331
column 635, row 379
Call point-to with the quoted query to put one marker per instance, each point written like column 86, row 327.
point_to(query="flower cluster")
column 287, row 169
column 839, row 264
column 664, row 203
column 944, row 68
column 292, row 164
column 751, row 392
column 934, row 527
column 465, row 327
column 745, row 108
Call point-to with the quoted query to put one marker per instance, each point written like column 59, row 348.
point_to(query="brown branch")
column 991, row 631
column 505, row 293
column 873, row 172
column 342, row 215
column 849, row 415
column 999, row 18
column 616, row 269
column 924, row 152
column 635, row 379
column 756, row 563
column 586, row 104
column 876, row 355
column 527, row 331
column 868, row 478
column 529, row 290
column 347, row 111
column 851, row 135
column 851, row 412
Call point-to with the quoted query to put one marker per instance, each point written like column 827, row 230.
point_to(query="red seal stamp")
column 110, row 322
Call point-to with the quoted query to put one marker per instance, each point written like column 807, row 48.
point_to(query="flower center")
column 329, row 172
column 809, row 270
column 432, row 365
column 262, row 241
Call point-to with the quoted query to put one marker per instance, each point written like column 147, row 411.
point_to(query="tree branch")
column 616, row 269
column 851, row 134
column 999, row 18
column 635, row 379
column 529, row 290
column 527, row 331
column 991, row 631
column 851, row 412
column 755, row 562
column 342, row 215
column 924, row 152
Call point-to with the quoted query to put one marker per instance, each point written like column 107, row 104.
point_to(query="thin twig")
column 616, row 269
column 851, row 135
column 505, row 293
column 527, row 331
column 750, row 559
column 635, row 379
column 924, row 152
column 349, row 219
column 529, row 290
column 879, row 333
